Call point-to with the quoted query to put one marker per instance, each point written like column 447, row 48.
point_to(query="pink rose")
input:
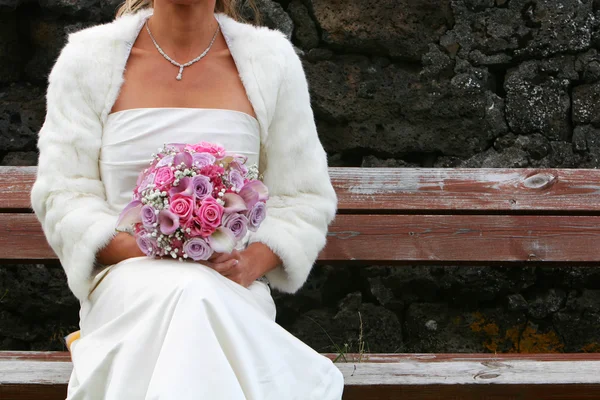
column 182, row 206
column 211, row 148
column 210, row 213
column 163, row 177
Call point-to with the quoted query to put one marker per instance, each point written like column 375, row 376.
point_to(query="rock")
column 578, row 322
column 22, row 112
column 588, row 65
column 516, row 302
column 354, row 327
column 11, row 48
column 272, row 15
column 374, row 162
column 20, row 158
column 48, row 37
column 586, row 141
column 91, row 10
column 305, row 32
column 390, row 112
column 536, row 104
column 542, row 303
column 431, row 327
column 555, row 29
column 36, row 306
column 521, row 29
column 536, row 145
column 315, row 55
column 378, row 26
column 512, row 157
column 9, row 5
column 586, row 104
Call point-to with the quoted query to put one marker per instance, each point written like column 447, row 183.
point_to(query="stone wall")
column 398, row 83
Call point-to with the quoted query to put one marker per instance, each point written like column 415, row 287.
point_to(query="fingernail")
column 235, row 262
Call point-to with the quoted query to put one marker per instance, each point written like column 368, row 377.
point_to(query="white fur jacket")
column 68, row 195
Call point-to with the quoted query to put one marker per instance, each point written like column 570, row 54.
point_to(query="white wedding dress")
column 169, row 330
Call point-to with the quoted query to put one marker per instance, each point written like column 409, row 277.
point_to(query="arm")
column 302, row 200
column 68, row 196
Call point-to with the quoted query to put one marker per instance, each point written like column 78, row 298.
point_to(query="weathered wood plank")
column 65, row 356
column 15, row 186
column 473, row 392
column 406, row 238
column 467, row 189
column 463, row 238
column 464, row 376
column 419, row 189
column 382, row 392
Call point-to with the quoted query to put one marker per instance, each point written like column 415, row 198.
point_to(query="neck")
column 183, row 31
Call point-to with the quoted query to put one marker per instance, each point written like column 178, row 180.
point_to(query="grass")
column 342, row 352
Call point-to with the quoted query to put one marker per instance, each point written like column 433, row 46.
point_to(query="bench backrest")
column 409, row 215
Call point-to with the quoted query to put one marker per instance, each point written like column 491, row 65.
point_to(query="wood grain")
column 467, row 189
column 32, row 375
column 463, row 238
column 406, row 238
column 419, row 189
column 15, row 187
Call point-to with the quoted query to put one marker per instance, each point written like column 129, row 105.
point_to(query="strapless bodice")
column 130, row 137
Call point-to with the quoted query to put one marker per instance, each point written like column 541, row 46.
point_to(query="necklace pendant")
column 179, row 75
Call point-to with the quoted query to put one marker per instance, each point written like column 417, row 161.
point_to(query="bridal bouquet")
column 194, row 200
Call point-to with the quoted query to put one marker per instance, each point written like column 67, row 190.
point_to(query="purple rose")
column 197, row 249
column 202, row 186
column 236, row 179
column 237, row 223
column 168, row 222
column 256, row 215
column 166, row 160
column 147, row 244
column 203, row 159
column 149, row 217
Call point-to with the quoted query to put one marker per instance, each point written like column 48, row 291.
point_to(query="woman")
column 158, row 328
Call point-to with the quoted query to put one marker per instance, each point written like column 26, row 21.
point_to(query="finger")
column 226, row 267
column 217, row 257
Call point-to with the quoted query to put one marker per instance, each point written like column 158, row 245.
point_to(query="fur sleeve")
column 68, row 196
column 302, row 200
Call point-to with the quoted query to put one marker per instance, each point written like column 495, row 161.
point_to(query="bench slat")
column 418, row 189
column 465, row 376
column 15, row 185
column 409, row 238
column 467, row 189
column 458, row 238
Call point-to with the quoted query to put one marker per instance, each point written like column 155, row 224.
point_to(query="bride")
column 183, row 71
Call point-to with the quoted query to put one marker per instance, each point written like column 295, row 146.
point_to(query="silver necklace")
column 187, row 64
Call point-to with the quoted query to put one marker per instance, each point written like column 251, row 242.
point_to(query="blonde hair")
column 229, row 7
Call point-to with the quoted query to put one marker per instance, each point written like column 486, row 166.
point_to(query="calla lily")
column 130, row 215
column 222, row 240
column 258, row 187
column 185, row 158
column 234, row 203
column 254, row 191
column 168, row 222
column 185, row 187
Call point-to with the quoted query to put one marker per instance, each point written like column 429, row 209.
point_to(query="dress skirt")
column 163, row 329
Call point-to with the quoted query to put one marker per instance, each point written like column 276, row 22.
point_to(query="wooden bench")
column 399, row 216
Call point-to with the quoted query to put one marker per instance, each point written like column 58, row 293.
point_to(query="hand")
column 245, row 266
column 232, row 265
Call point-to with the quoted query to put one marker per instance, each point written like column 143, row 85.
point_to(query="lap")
column 142, row 279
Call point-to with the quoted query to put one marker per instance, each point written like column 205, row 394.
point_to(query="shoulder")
column 89, row 52
column 266, row 45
